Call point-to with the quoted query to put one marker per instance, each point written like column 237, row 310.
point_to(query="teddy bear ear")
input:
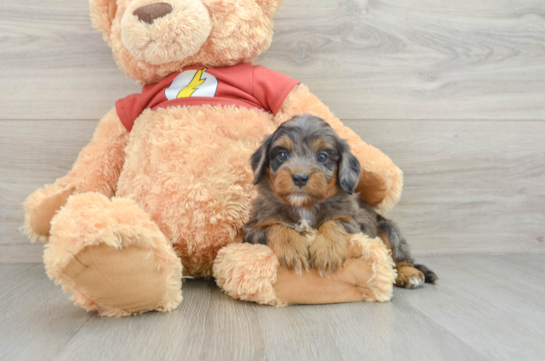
column 269, row 6
column 102, row 15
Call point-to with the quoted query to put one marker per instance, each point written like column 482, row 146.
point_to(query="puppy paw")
column 408, row 276
column 293, row 255
column 327, row 255
column 429, row 275
column 290, row 247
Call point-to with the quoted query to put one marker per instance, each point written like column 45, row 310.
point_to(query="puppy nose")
column 149, row 13
column 300, row 179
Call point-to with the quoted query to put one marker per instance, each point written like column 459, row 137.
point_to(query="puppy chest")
column 306, row 220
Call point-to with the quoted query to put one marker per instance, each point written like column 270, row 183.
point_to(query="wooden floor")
column 483, row 308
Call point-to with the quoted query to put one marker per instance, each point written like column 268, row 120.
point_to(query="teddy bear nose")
column 149, row 13
column 300, row 179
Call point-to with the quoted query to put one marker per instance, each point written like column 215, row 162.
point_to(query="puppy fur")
column 306, row 177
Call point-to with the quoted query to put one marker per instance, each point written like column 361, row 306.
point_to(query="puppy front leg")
column 290, row 247
column 330, row 248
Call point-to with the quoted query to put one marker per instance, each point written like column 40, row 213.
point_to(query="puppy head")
column 305, row 162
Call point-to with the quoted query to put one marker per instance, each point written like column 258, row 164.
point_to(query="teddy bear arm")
column 253, row 273
column 381, row 181
column 97, row 169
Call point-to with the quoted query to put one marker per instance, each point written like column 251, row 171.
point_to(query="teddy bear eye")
column 283, row 156
column 322, row 157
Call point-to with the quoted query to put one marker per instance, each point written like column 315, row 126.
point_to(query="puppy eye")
column 283, row 156
column 322, row 157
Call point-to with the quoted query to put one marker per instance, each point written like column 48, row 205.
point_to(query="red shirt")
column 243, row 85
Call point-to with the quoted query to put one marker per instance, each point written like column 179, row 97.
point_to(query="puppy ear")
column 260, row 159
column 349, row 170
column 102, row 14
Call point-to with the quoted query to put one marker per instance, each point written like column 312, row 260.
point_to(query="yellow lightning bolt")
column 191, row 88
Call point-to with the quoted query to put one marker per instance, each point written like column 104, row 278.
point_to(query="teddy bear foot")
column 252, row 273
column 112, row 257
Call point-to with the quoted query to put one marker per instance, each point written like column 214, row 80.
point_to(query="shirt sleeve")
column 128, row 109
column 271, row 87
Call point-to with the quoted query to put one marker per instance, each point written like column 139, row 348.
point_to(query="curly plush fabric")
column 248, row 272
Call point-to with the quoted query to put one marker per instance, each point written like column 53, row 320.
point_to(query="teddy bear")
column 164, row 187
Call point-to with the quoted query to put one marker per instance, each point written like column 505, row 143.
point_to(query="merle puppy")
column 306, row 176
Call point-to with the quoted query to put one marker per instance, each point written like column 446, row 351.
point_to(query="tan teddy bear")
column 166, row 179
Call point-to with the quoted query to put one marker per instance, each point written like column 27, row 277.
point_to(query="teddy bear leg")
column 112, row 257
column 252, row 273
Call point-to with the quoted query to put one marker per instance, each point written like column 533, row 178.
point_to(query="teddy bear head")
column 151, row 39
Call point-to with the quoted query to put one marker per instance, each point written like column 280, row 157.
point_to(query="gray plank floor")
column 483, row 308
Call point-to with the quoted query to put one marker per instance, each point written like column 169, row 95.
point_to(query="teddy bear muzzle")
column 148, row 13
column 160, row 32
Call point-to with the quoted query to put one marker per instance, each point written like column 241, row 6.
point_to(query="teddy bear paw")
column 112, row 257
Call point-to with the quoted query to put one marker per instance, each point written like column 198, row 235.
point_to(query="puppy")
column 306, row 177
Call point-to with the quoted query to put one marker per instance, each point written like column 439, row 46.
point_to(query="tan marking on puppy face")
column 284, row 142
column 321, row 144
column 281, row 183
column 316, row 190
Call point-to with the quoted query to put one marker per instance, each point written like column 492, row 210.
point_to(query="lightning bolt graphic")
column 191, row 88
